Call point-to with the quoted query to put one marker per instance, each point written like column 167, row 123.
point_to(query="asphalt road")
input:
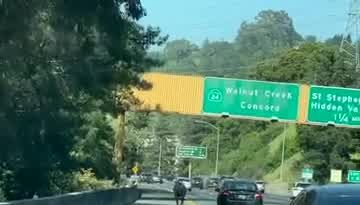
column 162, row 195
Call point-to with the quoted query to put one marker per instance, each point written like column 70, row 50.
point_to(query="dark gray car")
column 239, row 192
column 340, row 194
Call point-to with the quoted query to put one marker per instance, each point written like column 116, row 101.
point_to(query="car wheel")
column 220, row 202
column 189, row 190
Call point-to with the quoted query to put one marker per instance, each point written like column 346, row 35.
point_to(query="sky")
column 197, row 20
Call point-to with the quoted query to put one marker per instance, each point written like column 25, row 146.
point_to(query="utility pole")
column 190, row 169
column 350, row 44
column 217, row 143
column 283, row 155
column 160, row 151
column 217, row 151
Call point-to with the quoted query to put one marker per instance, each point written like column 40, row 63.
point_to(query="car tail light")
column 258, row 196
column 226, row 193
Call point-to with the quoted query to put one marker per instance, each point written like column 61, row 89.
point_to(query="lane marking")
column 190, row 202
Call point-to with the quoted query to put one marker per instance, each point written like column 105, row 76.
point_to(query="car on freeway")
column 238, row 192
column 261, row 185
column 197, row 182
column 147, row 177
column 186, row 181
column 157, row 179
column 299, row 186
column 336, row 194
column 213, row 182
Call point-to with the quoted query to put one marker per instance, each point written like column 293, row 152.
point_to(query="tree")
column 271, row 30
column 56, row 58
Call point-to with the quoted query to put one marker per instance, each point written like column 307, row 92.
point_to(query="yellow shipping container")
column 172, row 94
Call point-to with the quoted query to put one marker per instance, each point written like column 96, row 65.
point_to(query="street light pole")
column 217, row 152
column 217, row 143
column 283, row 155
column 160, row 147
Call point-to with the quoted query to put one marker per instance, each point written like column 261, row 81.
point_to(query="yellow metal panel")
column 304, row 104
column 172, row 93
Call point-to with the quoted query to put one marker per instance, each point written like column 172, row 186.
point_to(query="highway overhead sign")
column 251, row 99
column 334, row 106
column 354, row 176
column 307, row 173
column 192, row 152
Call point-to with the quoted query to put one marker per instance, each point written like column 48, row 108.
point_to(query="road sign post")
column 354, row 176
column 135, row 170
column 334, row 106
column 336, row 176
column 307, row 173
column 251, row 99
column 191, row 152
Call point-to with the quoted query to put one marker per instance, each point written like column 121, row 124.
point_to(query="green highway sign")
column 191, row 152
column 334, row 106
column 354, row 176
column 251, row 99
column 307, row 173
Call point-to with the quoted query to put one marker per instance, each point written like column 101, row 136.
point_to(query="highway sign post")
column 334, row 106
column 354, row 176
column 251, row 99
column 307, row 173
column 191, row 152
column 336, row 176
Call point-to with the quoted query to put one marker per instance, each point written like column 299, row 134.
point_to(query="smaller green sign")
column 307, row 173
column 192, row 152
column 335, row 106
column 354, row 176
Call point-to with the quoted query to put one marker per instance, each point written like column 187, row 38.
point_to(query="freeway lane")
column 154, row 194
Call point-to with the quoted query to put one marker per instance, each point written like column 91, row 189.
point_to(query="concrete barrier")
column 123, row 196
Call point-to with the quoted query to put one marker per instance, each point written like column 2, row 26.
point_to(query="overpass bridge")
column 248, row 99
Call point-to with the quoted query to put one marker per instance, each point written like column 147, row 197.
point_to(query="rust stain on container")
column 172, row 93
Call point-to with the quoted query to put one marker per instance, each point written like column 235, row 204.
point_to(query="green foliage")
column 2, row 194
column 271, row 30
column 85, row 180
column 58, row 59
column 95, row 145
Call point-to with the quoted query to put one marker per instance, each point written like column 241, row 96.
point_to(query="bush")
column 2, row 194
column 85, row 180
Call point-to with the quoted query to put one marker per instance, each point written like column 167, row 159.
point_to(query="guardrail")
column 123, row 196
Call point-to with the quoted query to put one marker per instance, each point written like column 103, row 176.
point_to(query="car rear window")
column 239, row 185
column 342, row 200
column 303, row 185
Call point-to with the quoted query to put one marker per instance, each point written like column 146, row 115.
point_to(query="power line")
column 350, row 44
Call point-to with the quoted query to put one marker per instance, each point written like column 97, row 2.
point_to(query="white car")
column 261, row 186
column 156, row 179
column 299, row 186
column 186, row 182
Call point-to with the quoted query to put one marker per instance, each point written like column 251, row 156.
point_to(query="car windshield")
column 238, row 185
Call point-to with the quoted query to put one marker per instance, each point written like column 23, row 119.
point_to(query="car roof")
column 352, row 189
column 303, row 183
column 240, row 180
